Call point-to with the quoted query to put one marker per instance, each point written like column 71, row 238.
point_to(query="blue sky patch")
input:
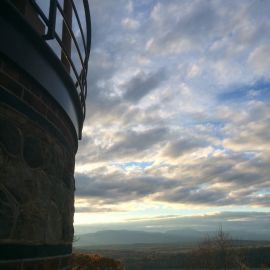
column 134, row 164
column 260, row 90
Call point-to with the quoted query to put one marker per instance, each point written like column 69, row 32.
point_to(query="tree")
column 218, row 252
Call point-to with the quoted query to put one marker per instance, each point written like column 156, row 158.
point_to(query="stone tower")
column 43, row 68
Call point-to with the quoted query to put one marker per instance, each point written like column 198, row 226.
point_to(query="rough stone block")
column 32, row 152
column 31, row 224
column 10, row 138
column 8, row 213
column 54, row 224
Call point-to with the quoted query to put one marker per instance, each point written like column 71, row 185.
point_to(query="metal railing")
column 68, row 12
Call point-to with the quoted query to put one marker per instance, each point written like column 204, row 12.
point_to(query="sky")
column 177, row 127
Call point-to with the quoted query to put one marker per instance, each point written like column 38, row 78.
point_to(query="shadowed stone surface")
column 32, row 152
column 8, row 213
column 36, row 183
column 10, row 137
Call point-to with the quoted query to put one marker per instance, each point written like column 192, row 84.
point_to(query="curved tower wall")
column 41, row 117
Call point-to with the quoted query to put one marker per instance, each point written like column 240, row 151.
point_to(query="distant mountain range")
column 126, row 237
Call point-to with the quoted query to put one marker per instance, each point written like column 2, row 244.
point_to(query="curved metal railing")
column 68, row 12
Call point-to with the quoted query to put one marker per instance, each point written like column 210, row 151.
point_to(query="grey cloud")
column 125, row 144
column 216, row 167
column 135, row 116
column 195, row 184
column 184, row 145
column 116, row 188
column 196, row 196
column 93, row 209
column 197, row 24
column 228, row 170
column 200, row 24
column 234, row 169
column 142, row 84
column 240, row 179
column 134, row 141
column 185, row 188
column 249, row 134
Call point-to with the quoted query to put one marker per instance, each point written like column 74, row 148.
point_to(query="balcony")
column 50, row 41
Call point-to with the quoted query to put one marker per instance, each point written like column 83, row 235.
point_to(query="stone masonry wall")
column 36, row 173
column 36, row 186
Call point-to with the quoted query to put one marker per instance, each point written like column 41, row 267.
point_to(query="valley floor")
column 177, row 256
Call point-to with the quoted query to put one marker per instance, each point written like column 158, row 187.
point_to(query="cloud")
column 142, row 84
column 130, row 23
column 259, row 59
column 183, row 145
column 121, row 146
column 139, row 141
column 115, row 188
column 199, row 170
column 222, row 180
column 183, row 87
column 250, row 132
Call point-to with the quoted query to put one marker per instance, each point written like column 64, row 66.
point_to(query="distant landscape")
column 185, row 236
column 177, row 249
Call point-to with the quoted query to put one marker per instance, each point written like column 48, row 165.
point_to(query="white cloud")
column 129, row 23
column 193, row 71
column 259, row 59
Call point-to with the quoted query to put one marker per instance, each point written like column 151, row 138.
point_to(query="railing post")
column 66, row 37
column 52, row 20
